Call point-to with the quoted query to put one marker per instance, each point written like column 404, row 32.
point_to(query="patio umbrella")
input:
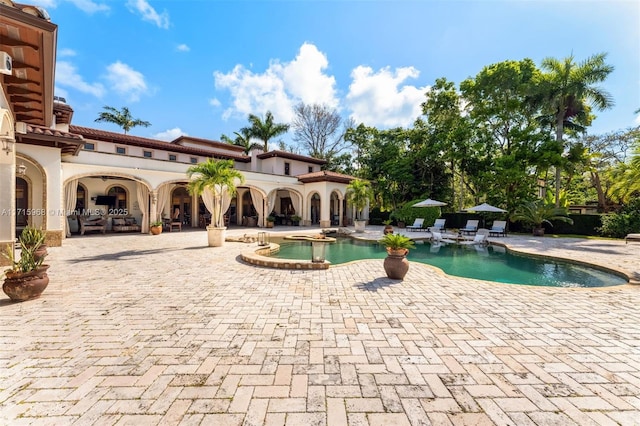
column 485, row 208
column 430, row 203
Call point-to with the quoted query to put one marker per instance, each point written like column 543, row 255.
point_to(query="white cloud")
column 126, row 81
column 66, row 75
column 214, row 102
column 170, row 134
column 66, row 52
column 89, row 6
column 280, row 87
column 149, row 13
column 380, row 99
column 183, row 48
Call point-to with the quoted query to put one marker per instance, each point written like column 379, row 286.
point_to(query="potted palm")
column 396, row 264
column 27, row 277
column 155, row 227
column 295, row 220
column 216, row 181
column 359, row 194
column 537, row 213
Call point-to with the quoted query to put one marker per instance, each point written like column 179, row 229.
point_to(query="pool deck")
column 161, row 330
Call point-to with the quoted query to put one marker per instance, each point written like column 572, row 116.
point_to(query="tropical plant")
column 220, row 177
column 243, row 139
column 568, row 90
column 28, row 260
column 359, row 194
column 536, row 213
column 623, row 222
column 397, row 242
column 264, row 130
column 156, row 223
column 32, row 236
column 122, row 118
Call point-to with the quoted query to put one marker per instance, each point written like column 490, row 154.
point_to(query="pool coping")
column 261, row 257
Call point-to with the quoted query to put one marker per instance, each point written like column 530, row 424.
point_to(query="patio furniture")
column 471, row 227
column 417, row 225
column 631, row 237
column 439, row 225
column 93, row 224
column 498, row 229
column 479, row 239
column 124, row 224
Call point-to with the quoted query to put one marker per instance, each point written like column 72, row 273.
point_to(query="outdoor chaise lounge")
column 499, row 228
column 417, row 225
column 631, row 237
column 439, row 225
column 437, row 237
column 479, row 239
column 471, row 227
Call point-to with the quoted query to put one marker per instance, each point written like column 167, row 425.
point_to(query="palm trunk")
column 559, row 133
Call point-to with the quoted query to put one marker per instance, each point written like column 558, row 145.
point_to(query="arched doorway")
column 315, row 209
column 22, row 203
column 181, row 205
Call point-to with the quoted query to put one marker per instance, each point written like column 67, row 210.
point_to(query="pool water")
column 485, row 263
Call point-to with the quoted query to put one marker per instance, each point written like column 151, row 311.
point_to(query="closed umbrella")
column 430, row 203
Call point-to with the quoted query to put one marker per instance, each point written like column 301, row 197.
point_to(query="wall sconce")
column 6, row 141
column 21, row 169
column 263, row 238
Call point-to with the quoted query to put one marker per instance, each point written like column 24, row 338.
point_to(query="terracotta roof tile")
column 33, row 129
column 325, row 176
column 153, row 143
column 292, row 156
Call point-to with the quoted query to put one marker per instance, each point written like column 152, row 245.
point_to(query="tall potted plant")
column 359, row 194
column 396, row 264
column 220, row 178
column 537, row 213
column 27, row 278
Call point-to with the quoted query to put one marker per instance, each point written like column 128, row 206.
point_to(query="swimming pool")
column 490, row 263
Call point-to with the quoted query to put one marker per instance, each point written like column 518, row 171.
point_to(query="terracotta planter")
column 155, row 230
column 40, row 252
column 21, row 286
column 538, row 232
column 388, row 229
column 396, row 264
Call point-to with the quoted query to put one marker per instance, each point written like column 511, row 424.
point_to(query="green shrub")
column 624, row 222
column 408, row 214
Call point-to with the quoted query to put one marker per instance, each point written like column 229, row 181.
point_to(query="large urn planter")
column 215, row 236
column 538, row 232
column 21, row 286
column 155, row 230
column 360, row 225
column 396, row 264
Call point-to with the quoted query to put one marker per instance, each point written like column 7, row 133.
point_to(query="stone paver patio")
column 161, row 330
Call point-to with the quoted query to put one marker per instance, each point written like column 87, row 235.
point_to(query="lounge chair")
column 479, row 239
column 499, row 228
column 417, row 225
column 471, row 227
column 438, row 225
column 438, row 238
column 631, row 237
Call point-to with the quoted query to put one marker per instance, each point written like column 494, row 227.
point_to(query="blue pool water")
column 485, row 263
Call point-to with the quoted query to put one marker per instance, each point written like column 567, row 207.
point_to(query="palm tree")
column 359, row 194
column 122, row 118
column 218, row 176
column 538, row 212
column 568, row 88
column 243, row 139
column 264, row 130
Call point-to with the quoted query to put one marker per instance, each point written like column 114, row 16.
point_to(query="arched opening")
column 315, row 209
column 334, row 209
column 249, row 212
column 119, row 200
column 22, row 204
column 181, row 205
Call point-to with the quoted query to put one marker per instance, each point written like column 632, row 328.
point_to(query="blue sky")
column 199, row 67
